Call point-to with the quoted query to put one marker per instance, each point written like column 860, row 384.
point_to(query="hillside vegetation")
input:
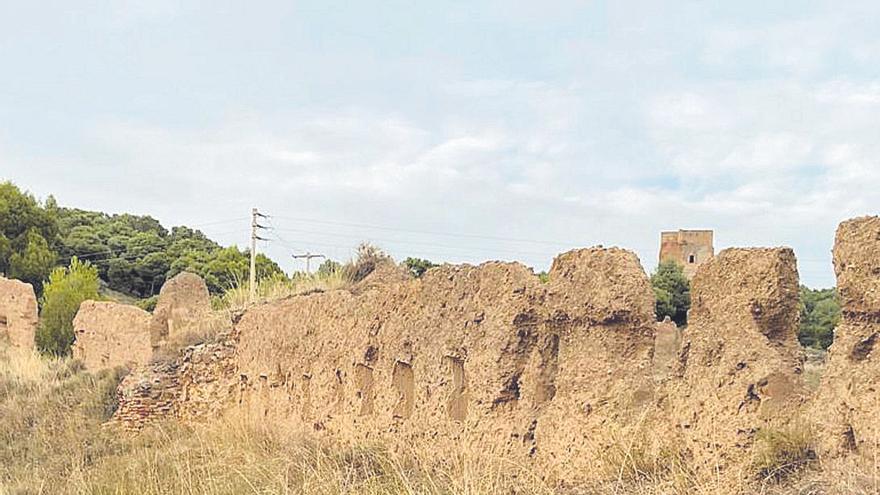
column 134, row 254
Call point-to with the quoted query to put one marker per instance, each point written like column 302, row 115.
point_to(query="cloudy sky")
column 456, row 131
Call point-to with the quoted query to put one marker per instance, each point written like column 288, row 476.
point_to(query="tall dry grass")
column 237, row 298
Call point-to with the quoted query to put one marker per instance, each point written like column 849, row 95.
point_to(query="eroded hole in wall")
column 339, row 392
column 306, row 396
column 4, row 324
column 403, row 381
column 849, row 439
column 863, row 349
column 242, row 388
column 457, row 404
column 545, row 386
column 516, row 355
column 363, row 376
column 510, row 391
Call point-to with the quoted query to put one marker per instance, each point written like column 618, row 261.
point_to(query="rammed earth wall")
column 556, row 375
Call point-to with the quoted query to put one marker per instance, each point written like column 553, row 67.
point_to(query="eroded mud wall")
column 183, row 303
column 740, row 361
column 847, row 408
column 594, row 360
column 110, row 334
column 464, row 356
column 556, row 375
column 18, row 313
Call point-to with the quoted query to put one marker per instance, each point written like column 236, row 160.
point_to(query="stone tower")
column 689, row 248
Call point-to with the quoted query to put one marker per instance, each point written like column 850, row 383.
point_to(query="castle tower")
column 689, row 248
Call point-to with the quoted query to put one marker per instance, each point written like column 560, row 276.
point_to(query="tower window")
column 692, row 258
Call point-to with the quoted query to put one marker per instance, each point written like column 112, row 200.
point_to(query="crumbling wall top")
column 857, row 265
column 757, row 285
column 609, row 284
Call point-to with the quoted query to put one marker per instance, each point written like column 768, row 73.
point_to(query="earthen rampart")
column 555, row 375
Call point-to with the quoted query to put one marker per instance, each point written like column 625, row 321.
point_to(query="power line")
column 426, row 232
column 396, row 241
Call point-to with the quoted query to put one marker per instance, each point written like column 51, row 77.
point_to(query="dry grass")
column 271, row 289
column 52, row 440
column 782, row 453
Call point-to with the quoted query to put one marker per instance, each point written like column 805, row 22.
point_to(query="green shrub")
column 148, row 304
column 417, row 266
column 820, row 313
column 66, row 289
column 672, row 291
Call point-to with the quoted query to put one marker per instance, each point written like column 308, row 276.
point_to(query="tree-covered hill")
column 134, row 254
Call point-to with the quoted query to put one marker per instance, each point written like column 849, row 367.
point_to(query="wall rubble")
column 110, row 334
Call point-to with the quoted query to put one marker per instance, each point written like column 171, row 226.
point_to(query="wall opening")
column 403, row 381
column 692, row 258
column 242, row 388
column 306, row 396
column 4, row 326
column 363, row 376
column 457, row 404
column 545, row 386
column 863, row 348
column 339, row 393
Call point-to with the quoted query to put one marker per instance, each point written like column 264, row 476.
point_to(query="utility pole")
column 308, row 257
column 254, row 238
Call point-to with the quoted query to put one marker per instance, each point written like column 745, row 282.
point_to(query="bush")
column 820, row 313
column 417, row 266
column 66, row 289
column 672, row 291
column 148, row 304
column 368, row 258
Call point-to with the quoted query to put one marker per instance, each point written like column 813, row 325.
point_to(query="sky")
column 458, row 131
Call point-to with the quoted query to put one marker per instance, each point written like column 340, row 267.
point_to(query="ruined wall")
column 740, row 362
column 18, row 313
column 464, row 356
column 847, row 408
column 557, row 375
column 110, row 334
column 198, row 385
column 183, row 303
